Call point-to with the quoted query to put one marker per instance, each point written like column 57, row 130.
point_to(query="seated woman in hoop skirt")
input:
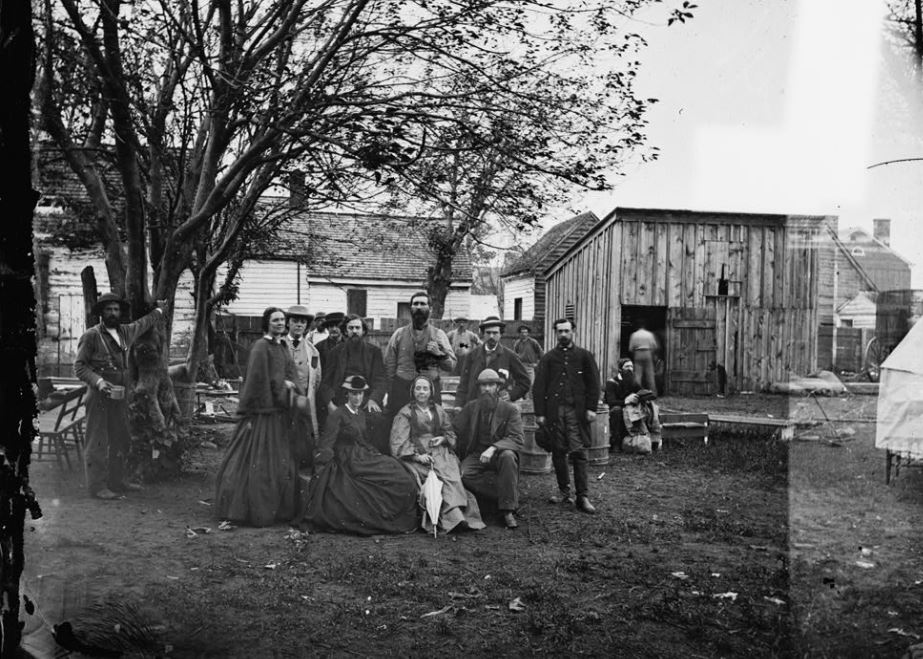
column 422, row 437
column 357, row 489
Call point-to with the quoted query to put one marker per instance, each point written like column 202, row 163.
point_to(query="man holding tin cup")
column 102, row 362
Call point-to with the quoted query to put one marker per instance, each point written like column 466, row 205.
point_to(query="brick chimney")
column 882, row 230
column 296, row 189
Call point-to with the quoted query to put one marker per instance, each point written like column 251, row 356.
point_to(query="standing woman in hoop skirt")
column 257, row 483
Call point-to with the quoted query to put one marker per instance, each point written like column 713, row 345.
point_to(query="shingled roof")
column 557, row 240
column 359, row 246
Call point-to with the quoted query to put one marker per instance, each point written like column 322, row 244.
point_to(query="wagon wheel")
column 875, row 354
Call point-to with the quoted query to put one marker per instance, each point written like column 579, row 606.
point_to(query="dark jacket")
column 580, row 368
column 618, row 389
column 334, row 372
column 517, row 383
column 505, row 427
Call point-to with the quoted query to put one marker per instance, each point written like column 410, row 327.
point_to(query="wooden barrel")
column 185, row 397
column 532, row 459
column 449, row 384
column 598, row 453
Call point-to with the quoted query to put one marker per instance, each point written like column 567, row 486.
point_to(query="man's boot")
column 584, row 506
column 562, row 496
column 562, row 474
column 581, row 482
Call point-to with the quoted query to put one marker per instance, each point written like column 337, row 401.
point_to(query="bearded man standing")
column 102, row 362
column 566, row 395
column 418, row 348
column 356, row 356
column 491, row 354
column 490, row 437
column 308, row 369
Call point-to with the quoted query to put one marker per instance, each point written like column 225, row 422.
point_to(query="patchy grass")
column 746, row 546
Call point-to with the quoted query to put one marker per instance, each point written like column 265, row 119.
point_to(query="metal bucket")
column 532, row 459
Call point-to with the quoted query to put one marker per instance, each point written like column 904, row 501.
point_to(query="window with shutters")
column 356, row 301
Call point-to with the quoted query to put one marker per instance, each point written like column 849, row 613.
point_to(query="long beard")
column 419, row 317
column 489, row 400
column 354, row 340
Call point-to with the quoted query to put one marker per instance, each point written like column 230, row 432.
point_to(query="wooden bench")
column 684, row 426
column 785, row 428
column 60, row 421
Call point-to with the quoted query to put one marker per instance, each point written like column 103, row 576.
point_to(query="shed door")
column 692, row 352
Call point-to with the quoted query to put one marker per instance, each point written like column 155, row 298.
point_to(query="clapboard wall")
column 761, row 329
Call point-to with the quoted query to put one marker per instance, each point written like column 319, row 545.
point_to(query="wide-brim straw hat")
column 300, row 311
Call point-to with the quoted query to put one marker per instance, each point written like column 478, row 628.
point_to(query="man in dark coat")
column 619, row 390
column 333, row 324
column 102, row 362
column 356, row 356
column 566, row 395
column 490, row 437
column 490, row 354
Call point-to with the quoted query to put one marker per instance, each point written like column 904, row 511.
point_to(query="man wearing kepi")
column 417, row 348
column 491, row 354
column 308, row 369
column 102, row 362
column 566, row 394
column 490, row 438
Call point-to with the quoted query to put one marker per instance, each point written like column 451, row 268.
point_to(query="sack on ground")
column 637, row 444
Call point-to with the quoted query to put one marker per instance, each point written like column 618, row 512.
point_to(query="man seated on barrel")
column 490, row 437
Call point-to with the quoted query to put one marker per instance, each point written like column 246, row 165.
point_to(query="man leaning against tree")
column 102, row 362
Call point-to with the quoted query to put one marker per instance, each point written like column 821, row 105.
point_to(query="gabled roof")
column 359, row 246
column 860, row 302
column 557, row 240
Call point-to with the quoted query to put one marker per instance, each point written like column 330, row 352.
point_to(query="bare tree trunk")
column 88, row 279
column 439, row 279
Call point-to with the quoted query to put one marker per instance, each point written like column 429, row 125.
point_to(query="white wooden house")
column 524, row 280
column 355, row 263
column 60, row 317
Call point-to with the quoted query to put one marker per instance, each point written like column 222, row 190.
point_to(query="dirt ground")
column 744, row 546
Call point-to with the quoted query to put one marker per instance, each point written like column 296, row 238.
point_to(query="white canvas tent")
column 900, row 397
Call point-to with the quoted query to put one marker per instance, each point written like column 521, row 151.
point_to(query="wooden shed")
column 732, row 296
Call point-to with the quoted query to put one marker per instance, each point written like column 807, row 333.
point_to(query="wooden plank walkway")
column 786, row 427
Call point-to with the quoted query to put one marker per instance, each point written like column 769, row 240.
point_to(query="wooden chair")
column 60, row 422
column 683, row 426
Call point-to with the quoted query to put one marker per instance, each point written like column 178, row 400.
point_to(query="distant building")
column 852, row 262
column 733, row 295
column 523, row 280
column 365, row 264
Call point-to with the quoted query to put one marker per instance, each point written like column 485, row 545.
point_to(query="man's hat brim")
column 108, row 298
column 492, row 322
column 299, row 311
column 355, row 383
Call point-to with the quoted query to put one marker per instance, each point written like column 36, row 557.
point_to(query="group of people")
column 369, row 425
